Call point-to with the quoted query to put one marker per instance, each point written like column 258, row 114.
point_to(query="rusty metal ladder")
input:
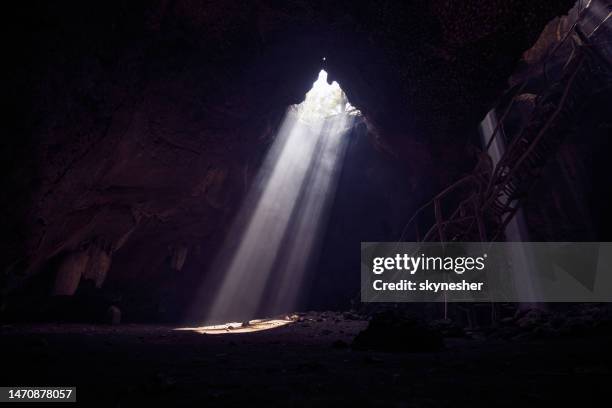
column 490, row 196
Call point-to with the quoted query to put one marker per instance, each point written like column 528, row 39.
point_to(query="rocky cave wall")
column 137, row 127
column 569, row 202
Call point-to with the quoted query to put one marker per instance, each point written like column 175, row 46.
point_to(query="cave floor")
column 301, row 364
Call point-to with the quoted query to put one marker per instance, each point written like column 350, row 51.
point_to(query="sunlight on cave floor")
column 237, row 327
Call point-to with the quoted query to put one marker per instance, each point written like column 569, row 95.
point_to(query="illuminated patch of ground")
column 237, row 327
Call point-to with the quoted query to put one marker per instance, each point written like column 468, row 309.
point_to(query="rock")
column 507, row 332
column 523, row 336
column 340, row 344
column 447, row 328
column 98, row 265
column 179, row 255
column 69, row 273
column 350, row 316
column 575, row 325
column 215, row 186
column 533, row 318
column 162, row 382
column 113, row 315
column 390, row 331
column 545, row 332
column 372, row 360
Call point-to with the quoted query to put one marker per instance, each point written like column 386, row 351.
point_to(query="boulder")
column 395, row 332
column 113, row 315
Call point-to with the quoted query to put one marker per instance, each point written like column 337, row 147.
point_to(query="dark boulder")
column 395, row 332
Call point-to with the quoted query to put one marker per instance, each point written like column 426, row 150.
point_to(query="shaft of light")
column 284, row 213
column 516, row 230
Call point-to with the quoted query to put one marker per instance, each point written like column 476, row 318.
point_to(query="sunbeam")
column 279, row 225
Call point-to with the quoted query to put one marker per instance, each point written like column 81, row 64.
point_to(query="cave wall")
column 137, row 126
column 569, row 201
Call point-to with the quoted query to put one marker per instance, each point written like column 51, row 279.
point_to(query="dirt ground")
column 305, row 363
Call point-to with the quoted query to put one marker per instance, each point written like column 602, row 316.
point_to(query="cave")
column 193, row 191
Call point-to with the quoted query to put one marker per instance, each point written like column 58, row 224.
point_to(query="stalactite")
column 69, row 273
column 98, row 265
column 179, row 255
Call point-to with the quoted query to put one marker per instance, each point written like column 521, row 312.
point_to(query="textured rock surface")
column 142, row 124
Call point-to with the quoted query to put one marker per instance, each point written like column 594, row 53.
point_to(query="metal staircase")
column 484, row 202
